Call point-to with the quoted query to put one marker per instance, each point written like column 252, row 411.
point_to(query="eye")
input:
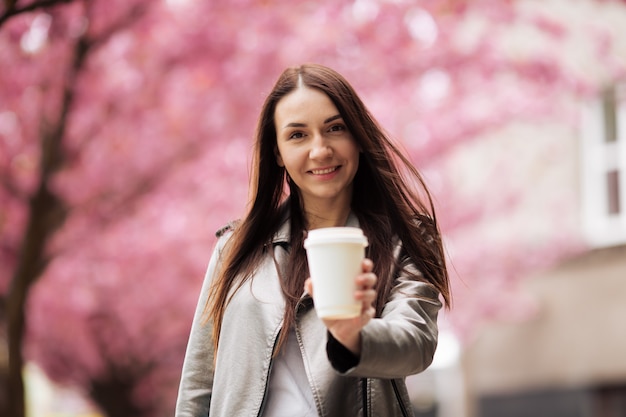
column 337, row 128
column 296, row 135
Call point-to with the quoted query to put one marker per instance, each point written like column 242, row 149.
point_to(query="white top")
column 289, row 393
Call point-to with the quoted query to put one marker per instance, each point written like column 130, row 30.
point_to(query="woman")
column 256, row 346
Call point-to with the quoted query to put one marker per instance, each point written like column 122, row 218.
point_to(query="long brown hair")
column 390, row 199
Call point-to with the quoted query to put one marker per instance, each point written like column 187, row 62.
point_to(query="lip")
column 322, row 172
column 327, row 173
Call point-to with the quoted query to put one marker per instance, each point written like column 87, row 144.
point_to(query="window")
column 604, row 168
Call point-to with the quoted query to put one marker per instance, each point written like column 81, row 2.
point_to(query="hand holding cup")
column 342, row 280
column 348, row 330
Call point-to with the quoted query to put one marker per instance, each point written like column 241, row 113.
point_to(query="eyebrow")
column 296, row 124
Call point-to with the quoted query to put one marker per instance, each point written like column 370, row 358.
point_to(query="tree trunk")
column 114, row 396
column 4, row 357
column 46, row 215
column 10, row 322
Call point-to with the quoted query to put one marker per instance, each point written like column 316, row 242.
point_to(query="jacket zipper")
column 364, row 397
column 399, row 398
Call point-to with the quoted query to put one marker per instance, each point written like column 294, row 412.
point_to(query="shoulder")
column 226, row 228
column 426, row 228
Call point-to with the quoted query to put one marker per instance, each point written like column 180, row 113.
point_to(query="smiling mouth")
column 324, row 171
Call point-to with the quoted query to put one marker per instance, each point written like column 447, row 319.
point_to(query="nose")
column 320, row 148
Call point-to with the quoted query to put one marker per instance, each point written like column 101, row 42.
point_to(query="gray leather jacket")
column 399, row 343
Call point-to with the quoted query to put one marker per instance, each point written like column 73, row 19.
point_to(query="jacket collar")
column 282, row 234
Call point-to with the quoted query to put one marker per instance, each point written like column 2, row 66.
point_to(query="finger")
column 367, row 280
column 367, row 296
column 367, row 265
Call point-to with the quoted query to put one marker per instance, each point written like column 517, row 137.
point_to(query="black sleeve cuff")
column 339, row 356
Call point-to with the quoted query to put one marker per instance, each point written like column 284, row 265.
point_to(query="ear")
column 279, row 159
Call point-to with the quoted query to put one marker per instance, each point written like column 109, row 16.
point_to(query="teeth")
column 323, row 171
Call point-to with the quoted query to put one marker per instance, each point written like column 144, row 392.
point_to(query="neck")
column 328, row 217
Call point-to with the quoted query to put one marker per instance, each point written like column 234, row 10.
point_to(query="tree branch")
column 11, row 9
column 135, row 13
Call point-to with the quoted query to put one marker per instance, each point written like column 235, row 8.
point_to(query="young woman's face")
column 315, row 147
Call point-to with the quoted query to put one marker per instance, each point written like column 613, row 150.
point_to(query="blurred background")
column 125, row 140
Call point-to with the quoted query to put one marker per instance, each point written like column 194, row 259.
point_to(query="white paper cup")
column 335, row 256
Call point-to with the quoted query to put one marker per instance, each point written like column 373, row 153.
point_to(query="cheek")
column 354, row 152
column 291, row 158
column 279, row 160
column 280, row 153
column 290, row 167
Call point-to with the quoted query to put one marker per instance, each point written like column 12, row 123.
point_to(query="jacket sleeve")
column 194, row 394
column 403, row 340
